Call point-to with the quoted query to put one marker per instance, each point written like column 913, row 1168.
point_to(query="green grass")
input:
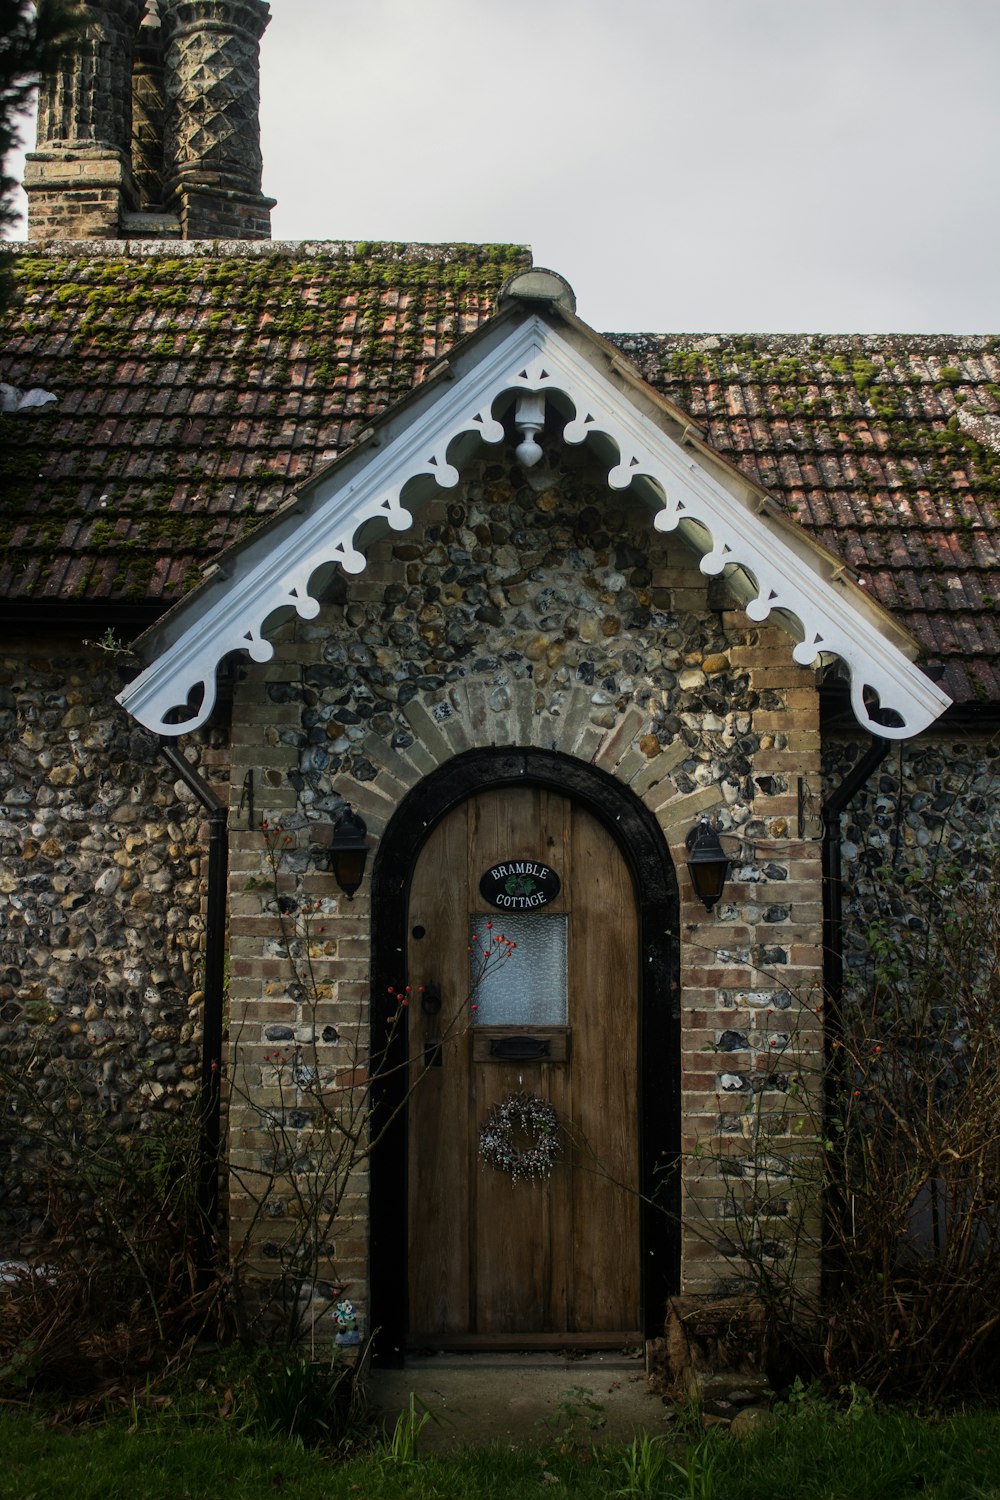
column 867, row 1456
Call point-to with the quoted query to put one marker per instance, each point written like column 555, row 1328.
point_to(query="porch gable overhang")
column 531, row 361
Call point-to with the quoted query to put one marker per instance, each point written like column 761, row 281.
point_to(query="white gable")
column 423, row 444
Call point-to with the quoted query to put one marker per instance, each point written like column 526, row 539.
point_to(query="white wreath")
column 538, row 1120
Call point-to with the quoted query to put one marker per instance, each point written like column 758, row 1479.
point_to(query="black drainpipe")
column 833, row 972
column 833, row 911
column 214, row 991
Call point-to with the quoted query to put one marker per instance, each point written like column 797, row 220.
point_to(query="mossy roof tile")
column 895, row 466
column 195, row 388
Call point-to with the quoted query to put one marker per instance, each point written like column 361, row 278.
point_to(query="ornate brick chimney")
column 212, row 161
column 152, row 129
column 149, row 108
column 79, row 177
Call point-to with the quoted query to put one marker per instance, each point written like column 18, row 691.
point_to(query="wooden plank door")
column 539, row 1261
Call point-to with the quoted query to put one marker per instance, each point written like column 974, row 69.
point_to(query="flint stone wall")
column 932, row 803
column 101, row 889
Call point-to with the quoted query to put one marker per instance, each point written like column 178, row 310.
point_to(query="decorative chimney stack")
column 212, row 160
column 79, row 179
column 149, row 108
column 152, row 129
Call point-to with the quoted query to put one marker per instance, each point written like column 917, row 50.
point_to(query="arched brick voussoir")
column 484, row 726
column 647, row 781
column 524, row 710
column 427, row 732
column 482, row 713
column 619, row 742
column 676, row 814
column 403, row 773
column 571, row 722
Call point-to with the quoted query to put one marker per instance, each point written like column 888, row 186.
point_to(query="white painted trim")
column 272, row 571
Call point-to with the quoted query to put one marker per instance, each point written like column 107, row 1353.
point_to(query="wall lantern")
column 708, row 864
column 348, row 852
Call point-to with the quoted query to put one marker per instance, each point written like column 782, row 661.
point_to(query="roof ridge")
column 396, row 250
column 719, row 341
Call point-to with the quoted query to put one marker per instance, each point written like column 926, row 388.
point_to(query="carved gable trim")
column 415, row 449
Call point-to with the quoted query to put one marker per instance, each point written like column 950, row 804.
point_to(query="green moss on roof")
column 829, row 383
column 196, row 388
column 886, row 447
column 190, row 379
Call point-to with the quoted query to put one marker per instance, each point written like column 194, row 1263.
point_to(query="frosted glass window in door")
column 530, row 987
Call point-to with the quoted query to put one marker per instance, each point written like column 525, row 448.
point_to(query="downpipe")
column 832, row 865
column 210, row 1094
column 833, row 972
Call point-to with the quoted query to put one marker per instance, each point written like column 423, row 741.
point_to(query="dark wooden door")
column 537, row 1261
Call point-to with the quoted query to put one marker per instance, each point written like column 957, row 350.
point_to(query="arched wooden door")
column 533, row 1262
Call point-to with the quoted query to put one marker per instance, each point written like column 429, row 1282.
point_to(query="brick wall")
column 77, row 195
column 219, row 214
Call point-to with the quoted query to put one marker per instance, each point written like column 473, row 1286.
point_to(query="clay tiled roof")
column 885, row 448
column 196, row 386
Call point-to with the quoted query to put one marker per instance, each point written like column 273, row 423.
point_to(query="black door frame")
column 645, row 851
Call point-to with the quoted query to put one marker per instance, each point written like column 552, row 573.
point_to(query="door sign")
column 519, row 885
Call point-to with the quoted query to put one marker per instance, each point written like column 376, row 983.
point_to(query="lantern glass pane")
column 348, row 867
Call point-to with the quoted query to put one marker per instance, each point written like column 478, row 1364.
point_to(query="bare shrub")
column 898, row 1138
column 108, row 1284
column 913, row 1295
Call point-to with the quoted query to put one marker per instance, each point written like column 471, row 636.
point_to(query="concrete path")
column 518, row 1399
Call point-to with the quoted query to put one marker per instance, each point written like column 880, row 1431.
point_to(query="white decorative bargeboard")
column 534, row 367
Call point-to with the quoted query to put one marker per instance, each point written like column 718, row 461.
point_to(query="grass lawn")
column 866, row 1456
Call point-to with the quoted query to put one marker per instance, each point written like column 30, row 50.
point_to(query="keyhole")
column 430, row 1000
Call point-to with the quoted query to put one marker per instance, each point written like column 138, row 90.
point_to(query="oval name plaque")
column 519, row 885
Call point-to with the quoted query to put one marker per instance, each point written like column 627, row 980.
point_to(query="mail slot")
column 495, row 1044
column 520, row 1048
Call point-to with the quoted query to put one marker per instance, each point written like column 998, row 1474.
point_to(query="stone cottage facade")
column 388, row 531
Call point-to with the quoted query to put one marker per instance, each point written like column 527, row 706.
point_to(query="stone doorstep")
column 524, row 1398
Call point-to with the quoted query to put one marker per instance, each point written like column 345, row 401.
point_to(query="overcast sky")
column 780, row 165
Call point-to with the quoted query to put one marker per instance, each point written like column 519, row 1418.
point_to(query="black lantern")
column 348, row 852
column 708, row 864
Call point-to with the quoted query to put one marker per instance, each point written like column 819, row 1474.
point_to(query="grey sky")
column 806, row 165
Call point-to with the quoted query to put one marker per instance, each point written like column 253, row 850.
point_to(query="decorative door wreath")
column 531, row 1115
